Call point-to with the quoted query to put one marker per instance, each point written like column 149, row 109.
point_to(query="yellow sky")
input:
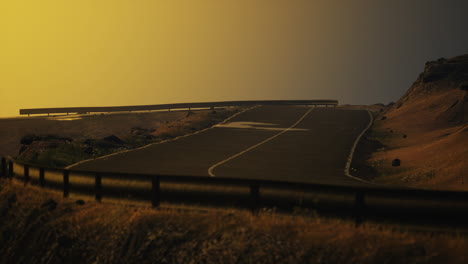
column 124, row 52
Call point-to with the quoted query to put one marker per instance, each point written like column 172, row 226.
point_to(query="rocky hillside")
column 427, row 130
column 447, row 78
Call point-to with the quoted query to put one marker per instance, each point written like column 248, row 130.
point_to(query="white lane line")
column 350, row 158
column 210, row 170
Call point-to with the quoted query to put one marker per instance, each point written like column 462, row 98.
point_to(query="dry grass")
column 34, row 231
column 433, row 154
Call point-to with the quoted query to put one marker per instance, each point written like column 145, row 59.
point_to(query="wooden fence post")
column 26, row 173
column 254, row 197
column 98, row 187
column 41, row 177
column 155, row 191
column 4, row 168
column 11, row 172
column 359, row 208
column 66, row 183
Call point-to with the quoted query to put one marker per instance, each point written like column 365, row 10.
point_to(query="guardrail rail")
column 357, row 202
column 86, row 110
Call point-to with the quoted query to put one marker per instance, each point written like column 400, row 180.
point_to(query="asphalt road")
column 255, row 144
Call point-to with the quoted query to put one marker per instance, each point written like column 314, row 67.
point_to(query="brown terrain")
column 426, row 130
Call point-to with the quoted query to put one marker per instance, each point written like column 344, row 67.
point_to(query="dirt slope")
column 427, row 130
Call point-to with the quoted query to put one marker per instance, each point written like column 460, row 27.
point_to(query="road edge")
column 353, row 149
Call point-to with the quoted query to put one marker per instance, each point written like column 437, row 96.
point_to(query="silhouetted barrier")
column 210, row 105
column 357, row 202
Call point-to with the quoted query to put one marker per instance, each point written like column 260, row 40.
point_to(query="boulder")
column 396, row 162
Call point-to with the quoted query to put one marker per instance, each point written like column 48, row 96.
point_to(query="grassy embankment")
column 42, row 227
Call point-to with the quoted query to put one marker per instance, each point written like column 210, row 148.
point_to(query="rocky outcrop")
column 448, row 79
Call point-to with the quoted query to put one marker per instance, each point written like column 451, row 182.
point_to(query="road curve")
column 297, row 144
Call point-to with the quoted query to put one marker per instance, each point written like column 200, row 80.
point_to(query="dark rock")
column 396, row 162
column 113, row 139
column 383, row 118
column 405, row 136
column 50, row 205
column 381, row 110
column 80, row 202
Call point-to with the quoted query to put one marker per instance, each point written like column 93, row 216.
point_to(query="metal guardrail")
column 35, row 111
column 373, row 202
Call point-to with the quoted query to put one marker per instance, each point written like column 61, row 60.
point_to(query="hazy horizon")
column 106, row 53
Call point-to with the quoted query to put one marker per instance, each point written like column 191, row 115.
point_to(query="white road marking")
column 210, row 170
column 350, row 158
column 256, row 125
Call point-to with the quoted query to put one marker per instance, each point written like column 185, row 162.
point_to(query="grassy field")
column 43, row 227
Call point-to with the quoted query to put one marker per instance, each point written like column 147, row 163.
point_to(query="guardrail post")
column 66, row 183
column 98, row 187
column 254, row 197
column 11, row 172
column 4, row 168
column 41, row 177
column 155, row 191
column 359, row 208
column 26, row 173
